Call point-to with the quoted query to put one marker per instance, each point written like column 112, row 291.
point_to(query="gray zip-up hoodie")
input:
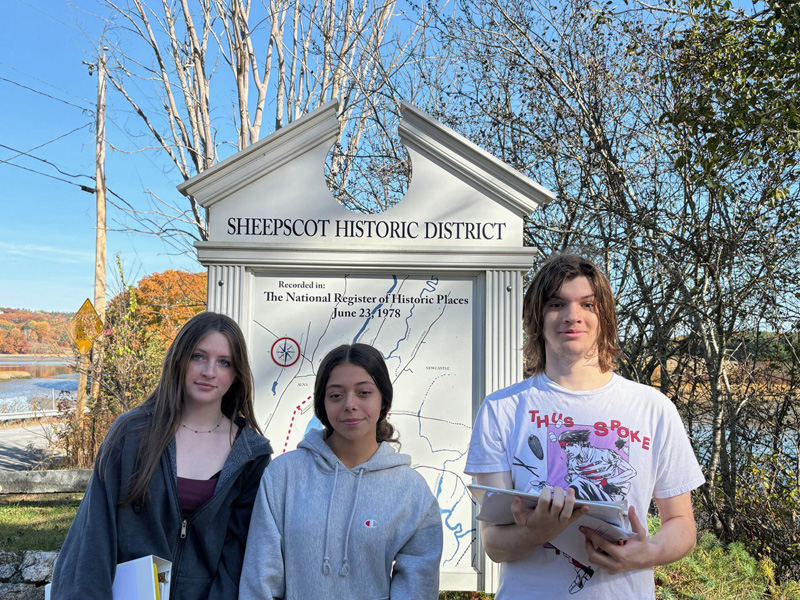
column 320, row 530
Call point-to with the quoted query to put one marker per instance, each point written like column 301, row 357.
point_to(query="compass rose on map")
column 285, row 352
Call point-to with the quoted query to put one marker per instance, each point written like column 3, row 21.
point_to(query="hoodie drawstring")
column 326, row 561
column 345, row 563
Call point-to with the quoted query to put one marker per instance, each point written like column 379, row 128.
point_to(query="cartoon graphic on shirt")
column 592, row 460
column 595, row 473
column 583, row 573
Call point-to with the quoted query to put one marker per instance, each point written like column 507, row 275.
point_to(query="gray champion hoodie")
column 320, row 530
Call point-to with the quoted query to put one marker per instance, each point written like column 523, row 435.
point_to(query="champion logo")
column 370, row 523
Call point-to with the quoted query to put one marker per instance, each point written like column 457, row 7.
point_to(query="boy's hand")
column 553, row 513
column 616, row 558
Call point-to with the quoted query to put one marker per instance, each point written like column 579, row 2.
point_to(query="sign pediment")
column 274, row 192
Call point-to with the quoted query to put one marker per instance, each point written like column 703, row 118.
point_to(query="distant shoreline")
column 34, row 357
column 9, row 375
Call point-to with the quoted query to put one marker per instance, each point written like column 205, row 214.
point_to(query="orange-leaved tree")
column 141, row 322
column 167, row 300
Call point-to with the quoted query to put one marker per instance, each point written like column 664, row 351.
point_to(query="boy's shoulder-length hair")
column 545, row 284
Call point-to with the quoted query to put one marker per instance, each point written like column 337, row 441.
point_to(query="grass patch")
column 36, row 521
column 710, row 572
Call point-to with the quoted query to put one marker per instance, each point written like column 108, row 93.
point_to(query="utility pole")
column 100, row 187
column 100, row 239
column 100, row 229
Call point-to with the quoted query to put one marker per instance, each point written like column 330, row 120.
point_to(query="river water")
column 51, row 379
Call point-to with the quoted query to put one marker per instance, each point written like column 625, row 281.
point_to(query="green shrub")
column 712, row 572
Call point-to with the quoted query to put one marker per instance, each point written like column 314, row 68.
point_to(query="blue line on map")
column 372, row 312
column 419, row 420
column 275, row 383
column 405, row 335
column 430, row 287
column 457, row 529
column 432, row 283
column 314, row 423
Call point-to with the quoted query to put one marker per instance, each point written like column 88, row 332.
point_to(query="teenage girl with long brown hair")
column 175, row 477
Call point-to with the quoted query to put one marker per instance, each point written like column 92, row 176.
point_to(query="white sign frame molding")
column 435, row 283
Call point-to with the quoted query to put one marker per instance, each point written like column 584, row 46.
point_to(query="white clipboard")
column 607, row 519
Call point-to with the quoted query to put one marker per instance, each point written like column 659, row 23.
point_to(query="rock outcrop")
column 23, row 576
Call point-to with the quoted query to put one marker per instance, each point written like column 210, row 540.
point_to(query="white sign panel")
column 423, row 326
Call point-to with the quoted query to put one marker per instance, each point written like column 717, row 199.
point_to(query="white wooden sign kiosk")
column 435, row 283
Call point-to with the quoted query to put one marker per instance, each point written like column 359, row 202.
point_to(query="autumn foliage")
column 32, row 332
column 140, row 324
column 165, row 301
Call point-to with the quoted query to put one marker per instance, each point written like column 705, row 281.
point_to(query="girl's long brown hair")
column 163, row 408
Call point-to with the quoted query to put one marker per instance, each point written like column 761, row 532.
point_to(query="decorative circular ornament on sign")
column 285, row 352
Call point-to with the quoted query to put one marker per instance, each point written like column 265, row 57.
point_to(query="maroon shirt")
column 193, row 493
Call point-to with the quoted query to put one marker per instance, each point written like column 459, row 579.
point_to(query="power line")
column 28, row 153
column 84, row 188
column 42, row 93
column 47, row 83
column 45, row 161
column 49, row 15
column 55, row 139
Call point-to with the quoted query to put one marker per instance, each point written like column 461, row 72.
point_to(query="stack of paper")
column 145, row 578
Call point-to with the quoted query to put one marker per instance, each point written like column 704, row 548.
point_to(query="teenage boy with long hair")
column 576, row 430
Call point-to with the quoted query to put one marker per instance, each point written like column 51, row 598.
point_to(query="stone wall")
column 45, row 482
column 23, row 576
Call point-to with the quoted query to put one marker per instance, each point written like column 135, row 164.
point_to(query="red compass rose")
column 285, row 352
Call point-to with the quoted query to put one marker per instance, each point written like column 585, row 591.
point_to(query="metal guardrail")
column 31, row 414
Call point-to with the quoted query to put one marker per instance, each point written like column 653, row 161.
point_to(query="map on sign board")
column 85, row 326
column 423, row 326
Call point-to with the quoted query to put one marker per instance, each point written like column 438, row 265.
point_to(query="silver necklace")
column 209, row 431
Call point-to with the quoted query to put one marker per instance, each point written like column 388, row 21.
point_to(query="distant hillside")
column 33, row 332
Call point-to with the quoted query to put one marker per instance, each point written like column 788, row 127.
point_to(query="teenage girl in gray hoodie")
column 344, row 515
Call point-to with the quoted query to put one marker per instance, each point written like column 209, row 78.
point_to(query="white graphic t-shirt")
column 624, row 441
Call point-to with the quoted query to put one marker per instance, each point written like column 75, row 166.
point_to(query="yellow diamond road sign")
column 85, row 327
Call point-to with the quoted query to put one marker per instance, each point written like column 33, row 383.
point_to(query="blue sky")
column 47, row 226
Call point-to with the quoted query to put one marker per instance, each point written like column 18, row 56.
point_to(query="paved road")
column 22, row 447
